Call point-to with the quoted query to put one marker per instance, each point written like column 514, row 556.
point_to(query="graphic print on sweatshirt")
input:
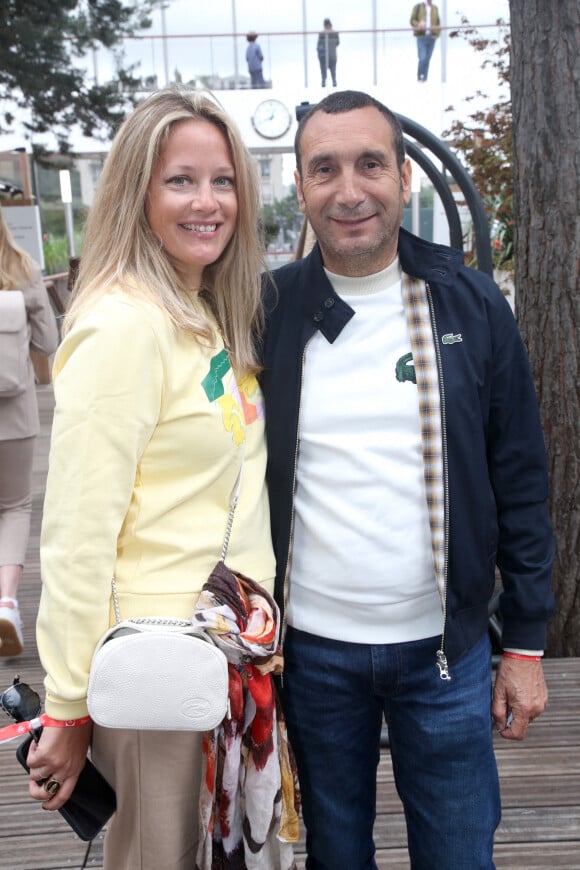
column 241, row 402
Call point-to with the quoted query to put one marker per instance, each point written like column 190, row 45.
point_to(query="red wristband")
column 63, row 723
column 522, row 658
column 9, row 732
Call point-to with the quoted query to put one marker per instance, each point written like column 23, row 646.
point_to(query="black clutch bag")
column 92, row 802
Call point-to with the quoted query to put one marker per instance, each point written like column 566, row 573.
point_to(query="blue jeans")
column 425, row 46
column 257, row 79
column 440, row 732
column 331, row 65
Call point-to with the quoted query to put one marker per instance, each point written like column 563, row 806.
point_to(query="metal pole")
column 374, row 16
column 69, row 224
column 443, row 41
column 415, row 213
column 235, row 29
column 66, row 197
column 304, row 43
column 164, row 40
column 415, row 201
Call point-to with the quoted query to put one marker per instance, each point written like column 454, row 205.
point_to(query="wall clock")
column 271, row 119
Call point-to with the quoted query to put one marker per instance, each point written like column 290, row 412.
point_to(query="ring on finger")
column 51, row 786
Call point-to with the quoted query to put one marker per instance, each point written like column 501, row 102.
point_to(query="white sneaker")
column 11, row 642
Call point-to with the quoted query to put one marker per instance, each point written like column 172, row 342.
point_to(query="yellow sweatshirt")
column 149, row 431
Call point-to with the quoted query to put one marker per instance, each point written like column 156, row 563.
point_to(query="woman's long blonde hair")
column 119, row 247
column 14, row 262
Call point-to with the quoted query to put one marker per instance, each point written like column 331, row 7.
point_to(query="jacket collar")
column 327, row 312
column 428, row 261
column 322, row 307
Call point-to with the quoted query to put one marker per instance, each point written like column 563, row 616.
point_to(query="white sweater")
column 362, row 565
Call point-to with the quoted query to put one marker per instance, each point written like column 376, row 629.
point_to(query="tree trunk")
column 545, row 84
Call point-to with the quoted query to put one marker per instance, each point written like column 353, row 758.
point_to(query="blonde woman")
column 19, row 427
column 156, row 401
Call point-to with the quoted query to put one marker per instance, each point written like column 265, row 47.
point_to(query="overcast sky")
column 197, row 39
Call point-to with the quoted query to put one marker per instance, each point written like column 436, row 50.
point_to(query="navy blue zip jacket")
column 496, row 466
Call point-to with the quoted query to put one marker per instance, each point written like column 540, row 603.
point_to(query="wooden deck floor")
column 540, row 778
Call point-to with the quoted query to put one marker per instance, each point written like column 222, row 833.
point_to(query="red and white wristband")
column 9, row 732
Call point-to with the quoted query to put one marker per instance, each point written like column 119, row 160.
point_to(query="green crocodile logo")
column 405, row 369
column 451, row 339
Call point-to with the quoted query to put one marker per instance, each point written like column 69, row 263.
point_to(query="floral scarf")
column 249, row 792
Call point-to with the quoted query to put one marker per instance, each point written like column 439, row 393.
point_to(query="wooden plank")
column 540, row 825
column 49, row 851
column 540, row 791
column 563, row 856
column 527, row 791
column 518, row 856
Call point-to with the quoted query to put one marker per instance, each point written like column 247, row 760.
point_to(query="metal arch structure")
column 463, row 180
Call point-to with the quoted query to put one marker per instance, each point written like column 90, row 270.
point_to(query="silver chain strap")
column 161, row 620
column 229, row 524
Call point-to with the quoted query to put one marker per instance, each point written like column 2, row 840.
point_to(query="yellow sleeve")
column 108, row 389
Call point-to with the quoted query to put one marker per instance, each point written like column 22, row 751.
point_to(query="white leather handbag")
column 158, row 673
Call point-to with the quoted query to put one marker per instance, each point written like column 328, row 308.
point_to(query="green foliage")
column 52, row 219
column 39, row 44
column 54, row 238
column 269, row 226
column 485, row 144
column 283, row 214
column 55, row 253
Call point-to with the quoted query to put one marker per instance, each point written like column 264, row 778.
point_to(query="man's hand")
column 519, row 696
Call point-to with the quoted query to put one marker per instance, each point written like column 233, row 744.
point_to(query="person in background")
column 19, row 426
column 405, row 459
column 255, row 59
column 426, row 28
column 157, row 403
column 328, row 40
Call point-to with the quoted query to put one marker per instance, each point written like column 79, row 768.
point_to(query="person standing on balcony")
column 255, row 59
column 426, row 26
column 326, row 50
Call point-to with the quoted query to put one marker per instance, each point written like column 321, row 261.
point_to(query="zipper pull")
column 442, row 665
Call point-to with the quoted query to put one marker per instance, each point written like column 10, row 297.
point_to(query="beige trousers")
column 16, row 458
column 156, row 776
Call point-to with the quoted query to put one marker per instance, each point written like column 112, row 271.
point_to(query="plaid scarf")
column 421, row 333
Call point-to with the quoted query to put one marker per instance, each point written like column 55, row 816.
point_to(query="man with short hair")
column 406, row 459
